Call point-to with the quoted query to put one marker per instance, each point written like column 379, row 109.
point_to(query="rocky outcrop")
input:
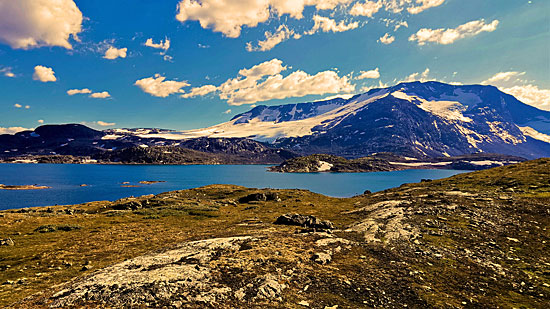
column 185, row 275
column 329, row 163
column 304, row 221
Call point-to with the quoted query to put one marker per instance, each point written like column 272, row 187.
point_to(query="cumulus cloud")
column 200, row 91
column 228, row 16
column 513, row 83
column 531, row 94
column 386, row 39
column 158, row 87
column 44, row 74
column 418, row 76
column 503, row 77
column 371, row 74
column 271, row 39
column 78, row 91
column 367, row 8
column 34, row 23
column 12, row 130
column 41, row 121
column 113, row 53
column 95, row 95
column 265, row 82
column 227, row 111
column 164, row 45
column 423, row 5
column 326, row 24
column 449, row 36
column 100, row 95
column 17, row 105
column 6, row 71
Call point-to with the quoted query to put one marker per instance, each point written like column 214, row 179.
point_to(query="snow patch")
column 324, row 166
column 528, row 131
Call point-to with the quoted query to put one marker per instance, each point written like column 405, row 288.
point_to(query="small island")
column 22, row 187
column 382, row 162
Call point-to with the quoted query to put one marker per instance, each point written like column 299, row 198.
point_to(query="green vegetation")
column 473, row 240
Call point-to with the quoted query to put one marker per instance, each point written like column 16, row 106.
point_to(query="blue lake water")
column 104, row 181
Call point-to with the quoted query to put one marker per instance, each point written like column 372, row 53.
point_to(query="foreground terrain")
column 473, row 240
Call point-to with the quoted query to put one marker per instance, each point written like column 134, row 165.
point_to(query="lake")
column 104, row 181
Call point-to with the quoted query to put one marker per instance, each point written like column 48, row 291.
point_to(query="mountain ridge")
column 417, row 119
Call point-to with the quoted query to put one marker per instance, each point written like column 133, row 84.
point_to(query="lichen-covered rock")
column 304, row 221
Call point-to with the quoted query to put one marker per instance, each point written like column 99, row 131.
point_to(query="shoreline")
column 229, row 238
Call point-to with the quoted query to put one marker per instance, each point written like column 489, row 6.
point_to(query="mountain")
column 429, row 119
column 75, row 143
column 418, row 119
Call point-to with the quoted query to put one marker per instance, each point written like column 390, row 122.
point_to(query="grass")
column 51, row 247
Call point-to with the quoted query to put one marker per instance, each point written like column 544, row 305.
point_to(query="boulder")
column 321, row 258
column 7, row 242
column 260, row 197
column 304, row 221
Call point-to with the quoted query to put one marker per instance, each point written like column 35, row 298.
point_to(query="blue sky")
column 314, row 50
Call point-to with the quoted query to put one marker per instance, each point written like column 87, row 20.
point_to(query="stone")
column 7, row 242
column 321, row 258
column 260, row 197
column 304, row 221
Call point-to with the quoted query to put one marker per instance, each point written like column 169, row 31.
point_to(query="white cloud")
column 326, row 24
column 7, row 72
column 264, row 82
column 502, row 77
column 35, row 23
column 272, row 39
column 386, row 39
column 371, row 74
column 13, row 130
column 164, row 45
column 200, row 91
column 156, row 86
column 113, row 53
column 367, row 8
column 78, row 91
column 396, row 6
column 44, row 74
column 17, row 105
column 27, row 106
column 41, row 121
column 100, row 95
column 227, row 111
column 424, row 5
column 105, row 124
column 400, row 24
column 229, row 16
column 513, row 84
column 449, row 36
column 418, row 76
column 531, row 94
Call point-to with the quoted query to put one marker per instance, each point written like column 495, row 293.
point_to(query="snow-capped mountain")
column 421, row 119
column 417, row 119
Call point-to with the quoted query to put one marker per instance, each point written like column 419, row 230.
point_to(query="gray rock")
column 321, row 258
column 7, row 242
column 304, row 221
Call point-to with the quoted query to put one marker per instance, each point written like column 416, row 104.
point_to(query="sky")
column 187, row 64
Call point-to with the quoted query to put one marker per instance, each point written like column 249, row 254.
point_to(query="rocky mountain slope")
column 473, row 240
column 423, row 120
column 74, row 143
column 428, row 119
